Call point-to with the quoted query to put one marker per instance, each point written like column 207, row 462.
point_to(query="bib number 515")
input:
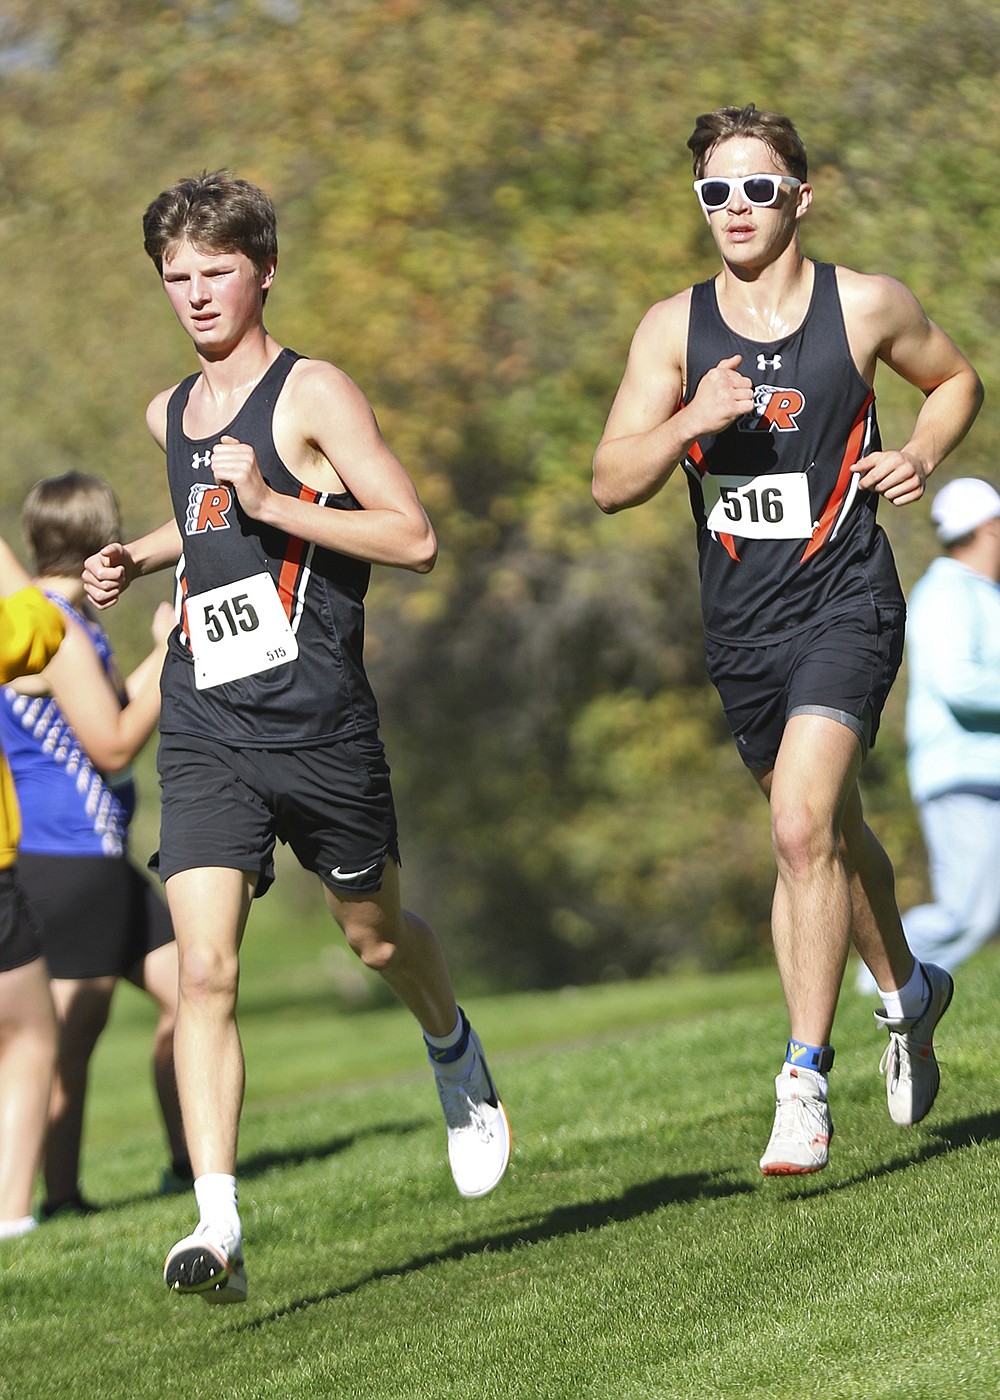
column 230, row 617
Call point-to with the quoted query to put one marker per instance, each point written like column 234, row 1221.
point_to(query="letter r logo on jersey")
column 208, row 508
column 774, row 410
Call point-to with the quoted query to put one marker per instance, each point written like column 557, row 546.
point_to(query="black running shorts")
column 842, row 668
column 19, row 940
column 99, row 916
column 332, row 804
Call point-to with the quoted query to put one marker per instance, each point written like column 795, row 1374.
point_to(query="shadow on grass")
column 643, row 1199
column 260, row 1162
column 937, row 1140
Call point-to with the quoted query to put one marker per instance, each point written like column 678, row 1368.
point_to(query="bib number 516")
column 760, row 506
column 770, row 506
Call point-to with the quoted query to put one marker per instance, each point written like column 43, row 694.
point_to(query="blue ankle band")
column 445, row 1055
column 816, row 1057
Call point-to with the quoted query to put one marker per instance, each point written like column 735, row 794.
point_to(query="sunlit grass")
column 633, row 1250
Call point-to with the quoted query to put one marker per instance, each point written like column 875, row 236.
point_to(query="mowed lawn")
column 633, row 1249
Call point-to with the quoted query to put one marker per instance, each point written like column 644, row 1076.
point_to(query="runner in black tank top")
column 324, row 693
column 813, row 415
column 760, row 383
column 284, row 495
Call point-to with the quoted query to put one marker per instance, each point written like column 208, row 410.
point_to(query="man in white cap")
column 953, row 725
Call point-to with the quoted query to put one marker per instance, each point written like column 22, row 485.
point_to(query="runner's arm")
column 337, row 426
column 649, row 429
column 922, row 354
column 109, row 572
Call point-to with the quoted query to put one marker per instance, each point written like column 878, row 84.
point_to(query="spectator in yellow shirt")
column 31, row 629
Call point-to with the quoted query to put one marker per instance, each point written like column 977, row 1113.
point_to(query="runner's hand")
column 234, row 464
column 107, row 574
column 895, row 475
column 722, row 396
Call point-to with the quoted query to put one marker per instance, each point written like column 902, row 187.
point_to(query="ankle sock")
column 448, row 1053
column 216, row 1195
column 910, row 1002
column 10, row 1229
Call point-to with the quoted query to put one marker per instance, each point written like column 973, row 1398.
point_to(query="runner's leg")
column 209, row 908
column 401, row 947
column 816, row 768
column 878, row 929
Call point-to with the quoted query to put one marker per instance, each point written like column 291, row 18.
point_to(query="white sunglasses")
column 759, row 190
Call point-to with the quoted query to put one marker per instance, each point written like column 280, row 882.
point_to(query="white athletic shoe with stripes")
column 479, row 1140
column 800, row 1138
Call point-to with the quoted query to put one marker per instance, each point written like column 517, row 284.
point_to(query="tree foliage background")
column 477, row 202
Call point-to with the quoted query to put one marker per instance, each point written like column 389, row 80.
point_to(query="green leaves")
column 477, row 203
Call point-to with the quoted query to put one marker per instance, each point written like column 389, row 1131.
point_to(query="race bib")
column 238, row 630
column 770, row 507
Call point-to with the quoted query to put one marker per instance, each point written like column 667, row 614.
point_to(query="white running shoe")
column 800, row 1138
column 209, row 1262
column 911, row 1071
column 478, row 1131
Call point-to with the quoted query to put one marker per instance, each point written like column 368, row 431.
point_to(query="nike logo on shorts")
column 345, row 876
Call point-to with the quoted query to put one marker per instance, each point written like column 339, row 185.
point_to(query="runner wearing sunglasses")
column 759, row 382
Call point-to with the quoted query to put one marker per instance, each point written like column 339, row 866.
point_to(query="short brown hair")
column 217, row 213
column 774, row 130
column 66, row 518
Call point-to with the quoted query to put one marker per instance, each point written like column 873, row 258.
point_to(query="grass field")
column 633, row 1249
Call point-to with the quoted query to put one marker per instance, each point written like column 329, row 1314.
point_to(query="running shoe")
column 800, row 1138
column 209, row 1262
column 478, row 1131
column 911, row 1071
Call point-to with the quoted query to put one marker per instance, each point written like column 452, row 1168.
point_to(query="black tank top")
column 324, row 693
column 791, row 538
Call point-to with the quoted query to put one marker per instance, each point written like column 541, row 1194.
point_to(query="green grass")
column 633, row 1249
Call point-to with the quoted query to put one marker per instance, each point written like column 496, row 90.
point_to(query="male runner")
column 284, row 495
column 759, row 382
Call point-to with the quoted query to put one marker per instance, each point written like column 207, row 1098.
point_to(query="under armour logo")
column 764, row 363
column 201, row 459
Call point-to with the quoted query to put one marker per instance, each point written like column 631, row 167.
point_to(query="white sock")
column 215, row 1193
column 446, row 1067
column 814, row 1074
column 445, row 1042
column 909, row 1002
column 9, row 1229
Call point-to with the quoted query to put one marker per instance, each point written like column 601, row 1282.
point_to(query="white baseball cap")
column 962, row 506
